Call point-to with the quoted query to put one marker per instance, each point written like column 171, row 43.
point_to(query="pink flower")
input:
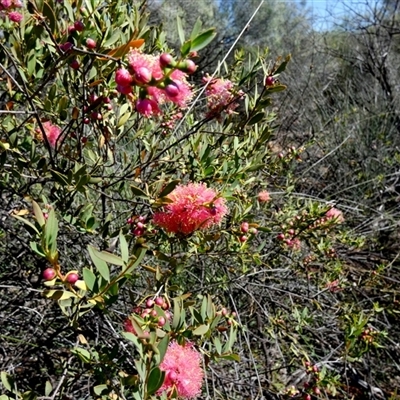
column 335, row 214
column 147, row 107
column 193, row 207
column 219, row 96
column 15, row 16
column 52, row 132
column 144, row 67
column 4, row 4
column 183, row 371
column 263, row 196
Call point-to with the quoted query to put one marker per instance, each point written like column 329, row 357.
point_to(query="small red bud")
column 159, row 301
column 166, row 60
column 269, row 81
column 244, row 227
column 317, row 391
column 149, row 303
column 75, row 64
column 49, row 274
column 243, row 238
column 79, row 26
column 90, row 43
column 84, row 140
column 72, row 278
column 161, row 321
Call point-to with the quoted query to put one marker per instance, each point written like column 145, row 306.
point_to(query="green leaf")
column 256, row 118
column 185, row 48
column 7, row 381
column 37, row 249
column 156, row 379
column 276, row 88
column 48, row 388
column 100, row 264
column 58, row 294
column 139, row 257
column 38, row 213
column 109, row 257
column 169, row 188
column 26, row 222
column 49, row 14
column 181, row 32
column 196, row 29
column 99, row 389
column 83, row 354
column 230, row 357
column 163, row 347
column 50, row 234
column 201, row 330
column 203, row 40
column 283, row 65
column 89, row 277
column 123, row 244
column 138, row 192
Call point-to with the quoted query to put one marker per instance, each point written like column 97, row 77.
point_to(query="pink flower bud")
column 90, row 43
column 166, row 60
column 281, row 236
column 124, row 89
column 243, row 238
column 138, row 232
column 49, row 274
column 172, row 90
column 253, row 231
column 123, row 77
column 75, row 64
column 153, row 313
column 159, row 301
column 147, row 107
column 72, row 278
column 190, row 67
column 269, row 81
column 244, row 227
column 143, row 75
column 140, row 225
column 66, row 47
column 79, row 26
column 161, row 321
column 149, row 303
column 71, row 29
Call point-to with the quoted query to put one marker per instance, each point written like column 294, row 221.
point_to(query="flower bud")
column 49, row 274
column 79, row 26
column 269, row 81
column 123, row 77
column 72, row 278
column 90, row 43
column 166, row 60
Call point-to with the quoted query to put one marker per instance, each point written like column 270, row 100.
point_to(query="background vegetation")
column 321, row 320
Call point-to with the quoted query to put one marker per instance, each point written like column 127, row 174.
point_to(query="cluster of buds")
column 158, row 80
column 369, row 335
column 311, row 386
column 93, row 109
column 155, row 314
column 169, row 124
column 8, row 10
column 290, row 239
column 332, row 216
column 138, row 228
column 221, row 96
column 229, row 318
column 245, row 230
column 50, row 274
column 292, row 154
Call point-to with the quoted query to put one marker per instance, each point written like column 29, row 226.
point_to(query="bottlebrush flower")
column 144, row 67
column 193, row 207
column 335, row 214
column 219, row 96
column 15, row 16
column 147, row 107
column 263, row 196
column 182, row 371
column 52, row 133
